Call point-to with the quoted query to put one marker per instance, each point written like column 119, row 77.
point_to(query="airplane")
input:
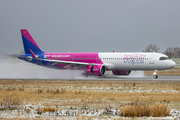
column 96, row 63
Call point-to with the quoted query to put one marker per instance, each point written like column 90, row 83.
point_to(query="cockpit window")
column 163, row 58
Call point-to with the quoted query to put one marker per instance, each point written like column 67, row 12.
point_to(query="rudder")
column 29, row 43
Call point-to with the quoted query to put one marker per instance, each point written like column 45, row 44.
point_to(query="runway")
column 144, row 78
column 13, row 69
column 121, row 78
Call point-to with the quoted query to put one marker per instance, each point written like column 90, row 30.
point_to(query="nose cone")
column 172, row 64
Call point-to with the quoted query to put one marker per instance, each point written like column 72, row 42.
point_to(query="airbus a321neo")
column 96, row 64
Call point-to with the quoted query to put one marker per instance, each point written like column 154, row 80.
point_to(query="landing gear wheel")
column 155, row 76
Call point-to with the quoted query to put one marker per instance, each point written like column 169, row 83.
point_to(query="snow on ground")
column 30, row 111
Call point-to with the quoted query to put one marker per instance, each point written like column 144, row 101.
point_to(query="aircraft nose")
column 172, row 64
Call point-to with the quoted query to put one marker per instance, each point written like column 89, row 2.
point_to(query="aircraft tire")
column 155, row 76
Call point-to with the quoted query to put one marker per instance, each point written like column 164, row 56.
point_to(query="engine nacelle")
column 97, row 70
column 121, row 72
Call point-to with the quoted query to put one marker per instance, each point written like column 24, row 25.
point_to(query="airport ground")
column 173, row 71
column 84, row 99
column 30, row 92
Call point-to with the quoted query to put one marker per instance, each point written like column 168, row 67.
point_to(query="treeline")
column 170, row 51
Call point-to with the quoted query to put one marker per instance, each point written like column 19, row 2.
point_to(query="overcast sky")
column 90, row 25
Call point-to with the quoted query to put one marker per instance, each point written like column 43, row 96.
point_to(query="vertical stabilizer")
column 29, row 43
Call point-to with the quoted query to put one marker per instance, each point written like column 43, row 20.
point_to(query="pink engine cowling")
column 121, row 72
column 97, row 70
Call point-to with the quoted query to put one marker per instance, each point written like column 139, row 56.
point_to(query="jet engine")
column 121, row 72
column 97, row 70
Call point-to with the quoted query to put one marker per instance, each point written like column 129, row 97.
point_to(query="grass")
column 48, row 109
column 141, row 110
column 92, row 95
column 90, row 92
column 173, row 71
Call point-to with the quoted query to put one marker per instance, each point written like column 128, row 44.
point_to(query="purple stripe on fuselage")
column 26, row 34
column 77, row 57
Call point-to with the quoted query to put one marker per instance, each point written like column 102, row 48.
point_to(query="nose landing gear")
column 155, row 75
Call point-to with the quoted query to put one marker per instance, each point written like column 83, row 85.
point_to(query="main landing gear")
column 155, row 75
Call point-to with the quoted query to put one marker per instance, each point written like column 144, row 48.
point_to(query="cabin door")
column 151, row 60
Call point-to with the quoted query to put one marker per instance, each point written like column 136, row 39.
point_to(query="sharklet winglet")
column 33, row 55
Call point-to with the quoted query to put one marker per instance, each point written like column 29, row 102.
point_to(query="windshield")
column 163, row 58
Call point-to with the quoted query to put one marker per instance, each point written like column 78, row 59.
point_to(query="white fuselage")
column 136, row 61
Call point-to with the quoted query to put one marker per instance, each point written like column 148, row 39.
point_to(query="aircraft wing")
column 67, row 62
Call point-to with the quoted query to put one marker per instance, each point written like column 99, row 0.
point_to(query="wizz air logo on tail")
column 134, row 58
